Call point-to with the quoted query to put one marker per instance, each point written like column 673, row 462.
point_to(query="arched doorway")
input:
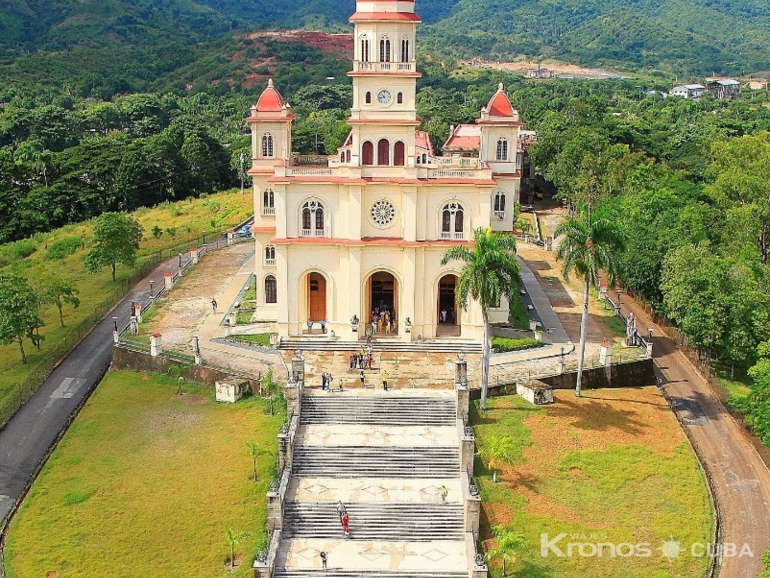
column 316, row 297
column 448, row 313
column 382, row 293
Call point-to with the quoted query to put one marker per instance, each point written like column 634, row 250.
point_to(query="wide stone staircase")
column 386, row 456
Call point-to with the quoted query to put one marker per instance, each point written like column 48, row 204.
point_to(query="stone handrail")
column 476, row 561
column 467, row 446
column 264, row 567
column 472, row 503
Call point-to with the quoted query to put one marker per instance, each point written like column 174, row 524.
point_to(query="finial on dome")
column 500, row 87
column 270, row 83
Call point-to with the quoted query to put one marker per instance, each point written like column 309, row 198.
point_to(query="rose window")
column 383, row 213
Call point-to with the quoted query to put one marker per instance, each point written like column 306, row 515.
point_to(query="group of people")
column 326, row 380
column 342, row 512
column 362, row 359
column 384, row 321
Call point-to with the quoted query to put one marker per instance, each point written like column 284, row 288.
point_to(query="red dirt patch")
column 329, row 43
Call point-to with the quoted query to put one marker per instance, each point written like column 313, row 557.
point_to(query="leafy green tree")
column 253, row 452
column 269, row 386
column 756, row 405
column 509, row 542
column 116, row 240
column 233, row 539
column 19, row 312
column 491, row 271
column 57, row 290
column 497, row 451
column 588, row 246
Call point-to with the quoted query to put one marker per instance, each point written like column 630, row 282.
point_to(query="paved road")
column 740, row 479
column 25, row 440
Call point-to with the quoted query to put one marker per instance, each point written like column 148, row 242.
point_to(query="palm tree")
column 495, row 451
column 587, row 247
column 508, row 542
column 491, row 271
column 233, row 539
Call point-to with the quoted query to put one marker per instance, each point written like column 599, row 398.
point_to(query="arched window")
column 452, row 221
column 368, row 98
column 271, row 289
column 367, row 153
column 364, row 49
column 500, row 205
column 398, row 154
column 405, row 50
column 400, row 98
column 270, row 256
column 347, row 156
column 267, row 145
column 502, row 149
column 268, row 202
column 424, row 158
column 383, row 152
column 385, row 49
column 342, row 157
column 312, row 219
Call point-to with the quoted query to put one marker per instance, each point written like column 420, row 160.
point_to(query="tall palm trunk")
column 583, row 332
column 485, row 360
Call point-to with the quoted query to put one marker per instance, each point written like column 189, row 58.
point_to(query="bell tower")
column 384, row 114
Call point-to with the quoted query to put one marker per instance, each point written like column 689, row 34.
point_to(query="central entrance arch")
column 448, row 313
column 382, row 301
column 316, row 297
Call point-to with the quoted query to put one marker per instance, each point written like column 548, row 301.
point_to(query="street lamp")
column 151, row 290
column 204, row 237
column 115, row 322
column 180, row 260
column 197, row 344
column 649, row 332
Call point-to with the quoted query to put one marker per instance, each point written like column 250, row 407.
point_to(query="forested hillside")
column 676, row 36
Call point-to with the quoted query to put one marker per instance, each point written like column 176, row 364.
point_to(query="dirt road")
column 740, row 479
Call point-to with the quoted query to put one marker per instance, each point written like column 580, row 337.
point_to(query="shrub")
column 16, row 251
column 157, row 232
column 63, row 248
column 504, row 344
column 171, row 231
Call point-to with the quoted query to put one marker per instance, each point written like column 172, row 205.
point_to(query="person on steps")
column 384, row 381
column 346, row 524
column 362, row 377
column 323, row 560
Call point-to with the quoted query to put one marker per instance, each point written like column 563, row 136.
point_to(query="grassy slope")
column 212, row 214
column 587, row 480
column 145, row 483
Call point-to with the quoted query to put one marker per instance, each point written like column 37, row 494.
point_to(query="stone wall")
column 632, row 374
column 131, row 360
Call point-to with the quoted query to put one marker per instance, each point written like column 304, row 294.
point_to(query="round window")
column 383, row 213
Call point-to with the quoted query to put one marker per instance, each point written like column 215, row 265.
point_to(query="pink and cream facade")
column 361, row 236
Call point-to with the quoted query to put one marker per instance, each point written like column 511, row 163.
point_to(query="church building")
column 357, row 241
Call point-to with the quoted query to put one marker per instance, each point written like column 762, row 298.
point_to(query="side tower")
column 270, row 122
column 499, row 147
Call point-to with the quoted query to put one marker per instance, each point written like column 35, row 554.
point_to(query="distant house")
column 726, row 88
column 757, row 84
column 689, row 90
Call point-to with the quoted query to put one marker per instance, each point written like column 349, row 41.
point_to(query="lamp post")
column 196, row 345
column 619, row 292
column 115, row 334
column 204, row 237
column 179, row 256
column 152, row 294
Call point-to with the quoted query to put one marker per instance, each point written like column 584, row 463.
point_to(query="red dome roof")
column 271, row 100
column 499, row 105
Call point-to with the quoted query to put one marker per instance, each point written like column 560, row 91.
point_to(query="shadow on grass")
column 609, row 416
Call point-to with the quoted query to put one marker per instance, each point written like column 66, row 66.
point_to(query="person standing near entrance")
column 214, row 305
column 384, row 381
column 443, row 316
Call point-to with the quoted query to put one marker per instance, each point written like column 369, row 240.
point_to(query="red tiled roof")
column 466, row 137
column 271, row 100
column 422, row 140
column 499, row 105
column 386, row 16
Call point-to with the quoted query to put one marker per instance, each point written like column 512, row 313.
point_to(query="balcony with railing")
column 359, row 66
column 313, row 232
column 268, row 211
column 269, row 262
column 456, row 235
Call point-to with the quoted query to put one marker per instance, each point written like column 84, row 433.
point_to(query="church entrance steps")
column 375, row 521
column 433, row 346
column 386, row 462
column 339, row 573
column 380, row 410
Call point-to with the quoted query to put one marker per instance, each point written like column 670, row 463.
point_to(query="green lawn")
column 613, row 467
column 187, row 219
column 145, row 483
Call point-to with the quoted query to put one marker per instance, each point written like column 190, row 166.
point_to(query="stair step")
column 340, row 573
column 381, row 462
column 380, row 410
column 376, row 521
column 322, row 344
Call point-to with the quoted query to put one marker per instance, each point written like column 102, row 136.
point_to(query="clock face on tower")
column 383, row 97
